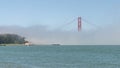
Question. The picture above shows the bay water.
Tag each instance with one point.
(63, 56)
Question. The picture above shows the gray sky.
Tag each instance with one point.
(41, 35)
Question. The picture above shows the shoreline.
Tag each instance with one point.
(12, 44)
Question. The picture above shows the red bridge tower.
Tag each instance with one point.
(79, 24)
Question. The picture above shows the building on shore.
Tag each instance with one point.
(27, 43)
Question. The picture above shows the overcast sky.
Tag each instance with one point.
(41, 20)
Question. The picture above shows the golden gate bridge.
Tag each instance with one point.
(80, 23)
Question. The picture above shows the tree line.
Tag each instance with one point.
(11, 39)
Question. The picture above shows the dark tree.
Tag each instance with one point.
(11, 39)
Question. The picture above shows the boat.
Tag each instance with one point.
(56, 44)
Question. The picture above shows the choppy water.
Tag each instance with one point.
(60, 56)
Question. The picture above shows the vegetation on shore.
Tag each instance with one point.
(11, 39)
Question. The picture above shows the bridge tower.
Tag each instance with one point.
(79, 24)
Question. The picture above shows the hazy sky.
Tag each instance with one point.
(57, 12)
(44, 15)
